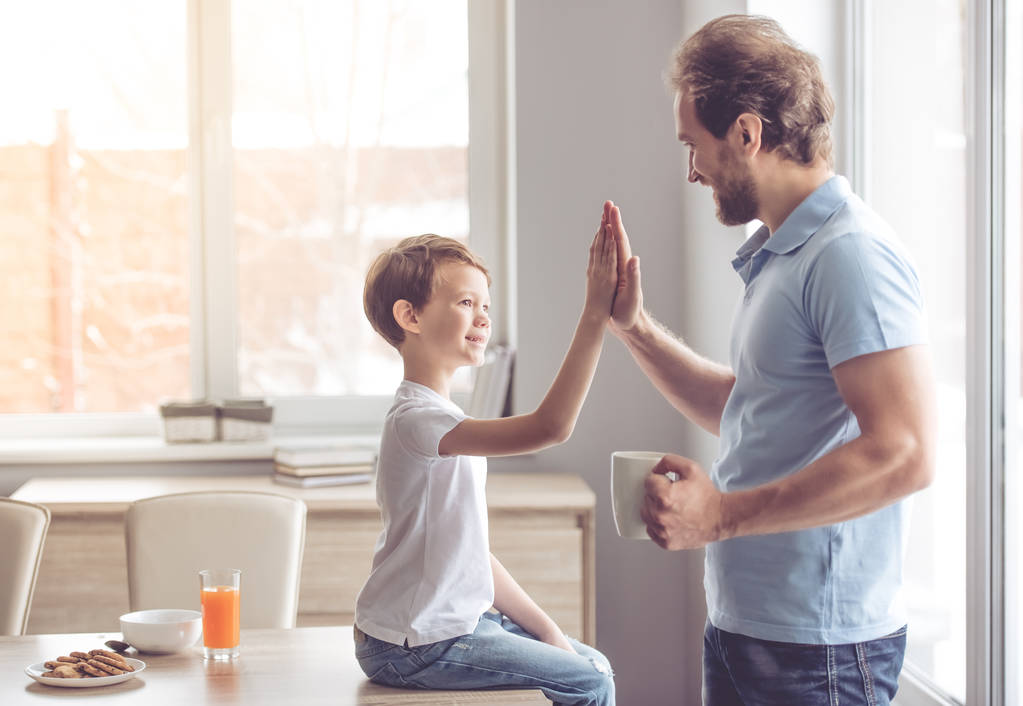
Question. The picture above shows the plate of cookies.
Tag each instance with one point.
(82, 669)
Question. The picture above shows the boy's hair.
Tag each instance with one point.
(409, 271)
(747, 64)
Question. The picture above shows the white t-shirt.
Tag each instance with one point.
(431, 578)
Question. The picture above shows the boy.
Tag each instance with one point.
(423, 617)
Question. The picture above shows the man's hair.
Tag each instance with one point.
(747, 64)
(409, 271)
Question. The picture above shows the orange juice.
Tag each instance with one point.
(221, 616)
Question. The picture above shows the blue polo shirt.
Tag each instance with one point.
(832, 283)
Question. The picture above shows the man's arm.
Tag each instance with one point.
(512, 600)
(694, 385)
(892, 395)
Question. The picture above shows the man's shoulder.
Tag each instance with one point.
(854, 226)
(854, 216)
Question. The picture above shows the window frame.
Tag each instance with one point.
(213, 302)
(1012, 183)
(989, 380)
(986, 373)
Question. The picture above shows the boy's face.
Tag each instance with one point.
(454, 324)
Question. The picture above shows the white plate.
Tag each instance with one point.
(36, 672)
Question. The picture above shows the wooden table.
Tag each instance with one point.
(541, 528)
(300, 666)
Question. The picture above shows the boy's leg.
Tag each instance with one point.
(766, 672)
(493, 657)
(594, 655)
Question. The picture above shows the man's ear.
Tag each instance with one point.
(405, 314)
(748, 129)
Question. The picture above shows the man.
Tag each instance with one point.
(825, 415)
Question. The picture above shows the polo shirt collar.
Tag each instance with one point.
(803, 222)
(809, 216)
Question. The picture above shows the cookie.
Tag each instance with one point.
(123, 666)
(105, 667)
(93, 671)
(108, 654)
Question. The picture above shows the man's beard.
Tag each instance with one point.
(736, 198)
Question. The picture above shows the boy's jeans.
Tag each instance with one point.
(742, 671)
(498, 654)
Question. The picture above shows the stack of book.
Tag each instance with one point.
(312, 466)
(490, 393)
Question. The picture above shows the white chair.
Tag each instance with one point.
(23, 531)
(170, 538)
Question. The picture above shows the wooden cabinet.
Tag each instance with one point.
(541, 528)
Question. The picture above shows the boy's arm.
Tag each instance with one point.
(553, 421)
(512, 600)
(694, 385)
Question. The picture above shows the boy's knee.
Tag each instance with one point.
(602, 667)
(601, 682)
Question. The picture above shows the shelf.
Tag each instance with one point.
(134, 449)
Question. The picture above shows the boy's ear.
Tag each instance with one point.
(405, 314)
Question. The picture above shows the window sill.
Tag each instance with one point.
(133, 449)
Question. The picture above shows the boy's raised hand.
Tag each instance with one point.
(602, 271)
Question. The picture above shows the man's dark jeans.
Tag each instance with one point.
(744, 671)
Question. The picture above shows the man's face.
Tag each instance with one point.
(715, 163)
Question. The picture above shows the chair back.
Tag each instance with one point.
(23, 531)
(170, 538)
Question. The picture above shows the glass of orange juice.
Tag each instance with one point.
(220, 597)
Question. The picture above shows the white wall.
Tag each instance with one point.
(595, 122)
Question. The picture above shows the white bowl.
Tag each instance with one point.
(161, 630)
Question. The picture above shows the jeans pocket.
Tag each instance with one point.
(370, 647)
(425, 655)
(387, 675)
(901, 632)
(880, 663)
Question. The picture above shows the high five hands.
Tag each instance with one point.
(628, 301)
(686, 513)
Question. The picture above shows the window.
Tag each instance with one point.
(94, 207)
(916, 175)
(945, 151)
(350, 135)
(1012, 151)
(901, 137)
(198, 218)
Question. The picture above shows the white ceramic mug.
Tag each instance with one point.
(629, 469)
